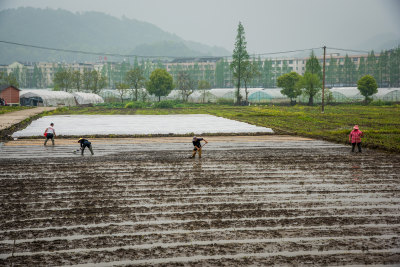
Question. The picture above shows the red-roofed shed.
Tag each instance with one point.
(10, 94)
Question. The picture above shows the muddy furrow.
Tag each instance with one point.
(266, 206)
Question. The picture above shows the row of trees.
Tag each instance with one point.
(160, 83)
(89, 80)
(385, 69)
(293, 85)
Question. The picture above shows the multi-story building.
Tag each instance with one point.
(213, 69)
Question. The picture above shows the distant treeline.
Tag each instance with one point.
(385, 68)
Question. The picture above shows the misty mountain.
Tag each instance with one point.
(89, 31)
(384, 41)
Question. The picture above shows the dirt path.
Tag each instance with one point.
(9, 119)
(264, 202)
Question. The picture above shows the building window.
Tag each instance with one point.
(290, 61)
(355, 59)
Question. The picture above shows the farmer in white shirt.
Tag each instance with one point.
(50, 133)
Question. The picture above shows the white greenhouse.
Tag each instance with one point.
(230, 93)
(87, 98)
(387, 94)
(267, 95)
(46, 98)
(345, 94)
(352, 94)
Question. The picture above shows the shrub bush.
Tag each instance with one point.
(225, 101)
(380, 102)
(164, 104)
(136, 104)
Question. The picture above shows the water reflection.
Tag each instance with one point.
(356, 172)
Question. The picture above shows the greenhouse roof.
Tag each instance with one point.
(224, 92)
(384, 91)
(274, 92)
(87, 98)
(350, 92)
(50, 98)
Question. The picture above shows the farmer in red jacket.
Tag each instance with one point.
(355, 138)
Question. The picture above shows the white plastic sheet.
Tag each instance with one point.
(138, 125)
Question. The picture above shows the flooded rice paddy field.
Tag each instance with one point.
(265, 202)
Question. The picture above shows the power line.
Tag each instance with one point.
(349, 50)
(286, 52)
(141, 56)
(174, 57)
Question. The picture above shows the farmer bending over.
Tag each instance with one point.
(197, 145)
(50, 133)
(85, 143)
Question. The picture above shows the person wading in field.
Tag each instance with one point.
(85, 143)
(197, 145)
(355, 138)
(50, 133)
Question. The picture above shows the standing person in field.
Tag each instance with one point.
(197, 145)
(355, 138)
(50, 133)
(85, 143)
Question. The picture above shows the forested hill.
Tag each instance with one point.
(90, 31)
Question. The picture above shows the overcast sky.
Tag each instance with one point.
(270, 26)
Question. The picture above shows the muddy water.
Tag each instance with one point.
(259, 202)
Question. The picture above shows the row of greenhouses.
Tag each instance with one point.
(254, 95)
(352, 94)
(48, 98)
(274, 95)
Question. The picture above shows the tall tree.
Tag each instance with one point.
(239, 59)
(285, 67)
(203, 85)
(250, 72)
(371, 64)
(311, 84)
(160, 83)
(361, 68)
(267, 79)
(331, 72)
(185, 84)
(288, 83)
(219, 74)
(383, 69)
(277, 72)
(93, 81)
(37, 77)
(76, 80)
(63, 80)
(135, 78)
(313, 66)
(349, 71)
(367, 86)
(8, 79)
(122, 90)
(394, 67)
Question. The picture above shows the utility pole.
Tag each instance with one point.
(323, 80)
